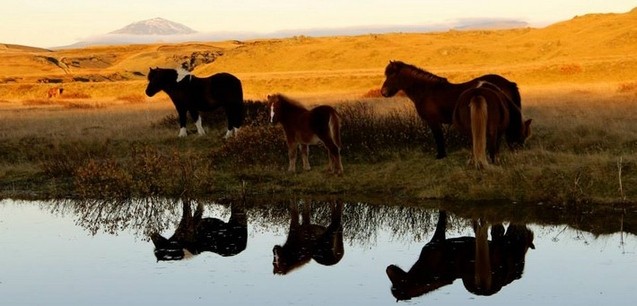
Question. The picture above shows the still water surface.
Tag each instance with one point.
(101, 254)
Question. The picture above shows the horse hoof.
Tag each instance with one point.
(441, 155)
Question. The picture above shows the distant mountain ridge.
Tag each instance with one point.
(155, 26)
(165, 31)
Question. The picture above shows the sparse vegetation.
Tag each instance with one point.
(572, 157)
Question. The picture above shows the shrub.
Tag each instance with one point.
(254, 145)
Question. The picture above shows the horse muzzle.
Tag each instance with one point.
(151, 91)
(386, 92)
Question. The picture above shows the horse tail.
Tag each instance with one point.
(479, 116)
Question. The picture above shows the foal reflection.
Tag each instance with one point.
(484, 266)
(195, 234)
(310, 241)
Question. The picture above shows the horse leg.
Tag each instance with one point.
(182, 122)
(292, 148)
(234, 114)
(305, 152)
(436, 129)
(494, 146)
(334, 156)
(195, 116)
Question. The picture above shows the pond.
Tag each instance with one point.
(166, 252)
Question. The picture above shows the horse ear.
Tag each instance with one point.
(527, 123)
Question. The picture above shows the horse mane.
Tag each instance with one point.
(420, 73)
(289, 101)
(182, 74)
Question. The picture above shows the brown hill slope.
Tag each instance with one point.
(591, 48)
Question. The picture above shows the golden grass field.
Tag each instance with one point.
(578, 81)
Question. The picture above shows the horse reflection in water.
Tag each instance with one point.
(195, 234)
(308, 241)
(484, 266)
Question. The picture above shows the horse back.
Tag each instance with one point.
(496, 108)
(508, 88)
(221, 89)
(225, 239)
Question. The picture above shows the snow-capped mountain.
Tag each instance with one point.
(155, 26)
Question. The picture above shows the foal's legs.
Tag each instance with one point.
(305, 152)
(334, 154)
(292, 156)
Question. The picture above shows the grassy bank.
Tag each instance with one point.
(583, 150)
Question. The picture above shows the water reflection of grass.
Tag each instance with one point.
(132, 151)
(362, 222)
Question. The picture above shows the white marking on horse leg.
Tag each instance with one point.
(200, 129)
(236, 131)
(229, 134)
(182, 132)
(271, 113)
(305, 153)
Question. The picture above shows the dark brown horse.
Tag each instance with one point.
(435, 97)
(191, 94)
(485, 114)
(305, 127)
(484, 266)
(196, 234)
(308, 241)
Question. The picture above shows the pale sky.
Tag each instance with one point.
(49, 23)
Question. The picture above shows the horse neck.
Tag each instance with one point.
(416, 85)
(177, 88)
(290, 112)
(515, 120)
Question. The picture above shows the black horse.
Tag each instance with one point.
(195, 234)
(194, 94)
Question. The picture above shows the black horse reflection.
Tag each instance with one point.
(196, 234)
(308, 241)
(484, 266)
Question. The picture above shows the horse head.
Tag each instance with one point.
(166, 249)
(159, 79)
(518, 137)
(391, 86)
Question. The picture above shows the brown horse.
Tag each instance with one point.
(435, 98)
(485, 114)
(484, 266)
(308, 241)
(305, 127)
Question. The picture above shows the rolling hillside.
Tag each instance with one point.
(595, 48)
